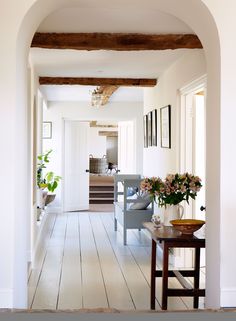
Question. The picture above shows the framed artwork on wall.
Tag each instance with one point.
(47, 129)
(154, 127)
(145, 130)
(149, 128)
(165, 117)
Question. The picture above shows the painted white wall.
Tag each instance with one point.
(225, 19)
(112, 149)
(127, 156)
(97, 144)
(58, 111)
(160, 161)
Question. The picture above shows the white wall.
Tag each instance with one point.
(112, 149)
(160, 161)
(58, 111)
(97, 144)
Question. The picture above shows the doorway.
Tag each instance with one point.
(193, 153)
(214, 101)
(88, 151)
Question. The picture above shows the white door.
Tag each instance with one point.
(76, 177)
(126, 147)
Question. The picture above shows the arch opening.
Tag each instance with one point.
(207, 32)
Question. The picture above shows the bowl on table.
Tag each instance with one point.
(187, 226)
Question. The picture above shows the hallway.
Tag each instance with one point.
(84, 265)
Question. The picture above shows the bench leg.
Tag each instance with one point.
(124, 236)
(115, 224)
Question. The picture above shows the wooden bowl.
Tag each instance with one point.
(187, 226)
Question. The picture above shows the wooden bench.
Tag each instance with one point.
(127, 217)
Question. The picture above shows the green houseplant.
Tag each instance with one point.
(48, 182)
(43, 159)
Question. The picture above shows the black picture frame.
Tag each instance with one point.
(154, 127)
(145, 131)
(47, 130)
(149, 128)
(165, 118)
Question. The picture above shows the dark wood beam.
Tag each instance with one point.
(94, 123)
(108, 133)
(115, 41)
(131, 82)
(106, 92)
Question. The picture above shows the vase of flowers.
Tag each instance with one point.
(172, 212)
(171, 191)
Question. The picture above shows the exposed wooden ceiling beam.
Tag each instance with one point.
(108, 133)
(115, 41)
(106, 92)
(94, 123)
(98, 81)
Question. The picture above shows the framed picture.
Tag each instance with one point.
(154, 127)
(145, 130)
(165, 126)
(47, 129)
(149, 128)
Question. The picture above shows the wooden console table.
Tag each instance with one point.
(168, 237)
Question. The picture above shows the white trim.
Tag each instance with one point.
(228, 298)
(183, 256)
(6, 298)
(194, 85)
(63, 163)
(40, 236)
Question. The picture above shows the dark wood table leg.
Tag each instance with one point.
(153, 277)
(165, 276)
(196, 276)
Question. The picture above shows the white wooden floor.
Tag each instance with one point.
(85, 265)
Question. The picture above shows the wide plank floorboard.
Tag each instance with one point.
(46, 295)
(70, 290)
(83, 264)
(118, 293)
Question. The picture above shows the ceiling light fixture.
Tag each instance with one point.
(97, 98)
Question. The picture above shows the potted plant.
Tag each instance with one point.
(51, 181)
(46, 183)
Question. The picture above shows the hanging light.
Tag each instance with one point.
(97, 98)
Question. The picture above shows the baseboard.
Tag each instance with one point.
(6, 298)
(228, 298)
(40, 235)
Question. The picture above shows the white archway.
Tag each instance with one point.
(205, 28)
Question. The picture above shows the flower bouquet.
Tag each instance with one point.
(174, 189)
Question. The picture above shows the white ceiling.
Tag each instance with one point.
(132, 64)
(97, 19)
(83, 93)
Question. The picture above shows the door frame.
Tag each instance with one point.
(192, 87)
(185, 257)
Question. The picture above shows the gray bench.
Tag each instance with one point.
(127, 217)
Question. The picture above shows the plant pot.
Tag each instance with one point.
(172, 212)
(49, 198)
(41, 197)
